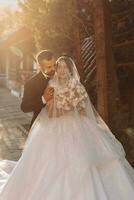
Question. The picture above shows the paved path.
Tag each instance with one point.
(12, 126)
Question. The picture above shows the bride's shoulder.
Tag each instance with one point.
(76, 83)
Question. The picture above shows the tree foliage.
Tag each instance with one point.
(52, 22)
(8, 21)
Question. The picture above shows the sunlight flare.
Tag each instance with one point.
(9, 3)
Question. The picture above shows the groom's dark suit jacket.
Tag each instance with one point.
(32, 97)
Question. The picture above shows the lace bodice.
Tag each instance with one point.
(71, 97)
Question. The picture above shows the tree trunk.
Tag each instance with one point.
(107, 89)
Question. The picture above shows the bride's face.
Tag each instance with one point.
(63, 71)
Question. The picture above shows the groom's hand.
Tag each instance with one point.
(48, 94)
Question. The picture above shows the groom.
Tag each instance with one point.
(36, 93)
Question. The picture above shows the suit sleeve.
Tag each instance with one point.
(30, 101)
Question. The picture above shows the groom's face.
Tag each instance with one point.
(48, 67)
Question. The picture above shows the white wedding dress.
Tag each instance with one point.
(68, 158)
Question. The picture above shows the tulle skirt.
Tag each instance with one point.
(68, 158)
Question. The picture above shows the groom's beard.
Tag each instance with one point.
(50, 75)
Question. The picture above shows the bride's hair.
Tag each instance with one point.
(68, 61)
(70, 65)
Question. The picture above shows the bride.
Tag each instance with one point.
(70, 153)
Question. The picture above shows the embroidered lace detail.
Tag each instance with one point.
(71, 96)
